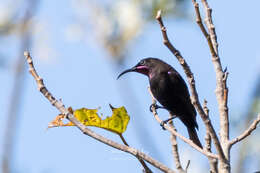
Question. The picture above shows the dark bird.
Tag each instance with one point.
(169, 88)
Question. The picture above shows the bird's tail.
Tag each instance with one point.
(194, 137)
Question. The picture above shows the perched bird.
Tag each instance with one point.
(169, 88)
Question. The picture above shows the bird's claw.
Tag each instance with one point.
(154, 105)
(166, 121)
(162, 125)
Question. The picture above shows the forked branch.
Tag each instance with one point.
(194, 94)
(221, 76)
(60, 106)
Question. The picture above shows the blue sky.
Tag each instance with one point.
(83, 76)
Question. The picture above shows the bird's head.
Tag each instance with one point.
(145, 66)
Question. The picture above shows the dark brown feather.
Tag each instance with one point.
(169, 88)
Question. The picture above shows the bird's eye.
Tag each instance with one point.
(142, 62)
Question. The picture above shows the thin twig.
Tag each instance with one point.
(59, 105)
(207, 137)
(247, 132)
(220, 83)
(175, 149)
(210, 25)
(171, 130)
(212, 43)
(194, 94)
(146, 168)
(207, 142)
(225, 97)
(225, 114)
(221, 87)
(203, 29)
(212, 162)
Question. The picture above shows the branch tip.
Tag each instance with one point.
(26, 54)
(247, 132)
(159, 12)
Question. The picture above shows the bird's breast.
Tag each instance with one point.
(161, 88)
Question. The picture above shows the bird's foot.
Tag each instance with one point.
(162, 125)
(166, 121)
(155, 106)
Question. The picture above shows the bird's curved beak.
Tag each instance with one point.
(126, 71)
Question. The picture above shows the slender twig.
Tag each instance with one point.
(207, 137)
(220, 83)
(212, 162)
(207, 142)
(171, 130)
(60, 106)
(194, 94)
(210, 26)
(203, 29)
(224, 106)
(225, 96)
(175, 149)
(221, 87)
(146, 168)
(246, 133)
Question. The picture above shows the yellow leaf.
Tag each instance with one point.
(117, 123)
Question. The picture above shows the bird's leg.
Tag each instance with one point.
(166, 121)
(156, 107)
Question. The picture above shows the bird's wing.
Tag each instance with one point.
(180, 87)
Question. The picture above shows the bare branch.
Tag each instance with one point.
(194, 94)
(208, 142)
(224, 113)
(221, 89)
(212, 162)
(246, 133)
(210, 25)
(175, 149)
(59, 105)
(207, 137)
(225, 97)
(172, 131)
(203, 29)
